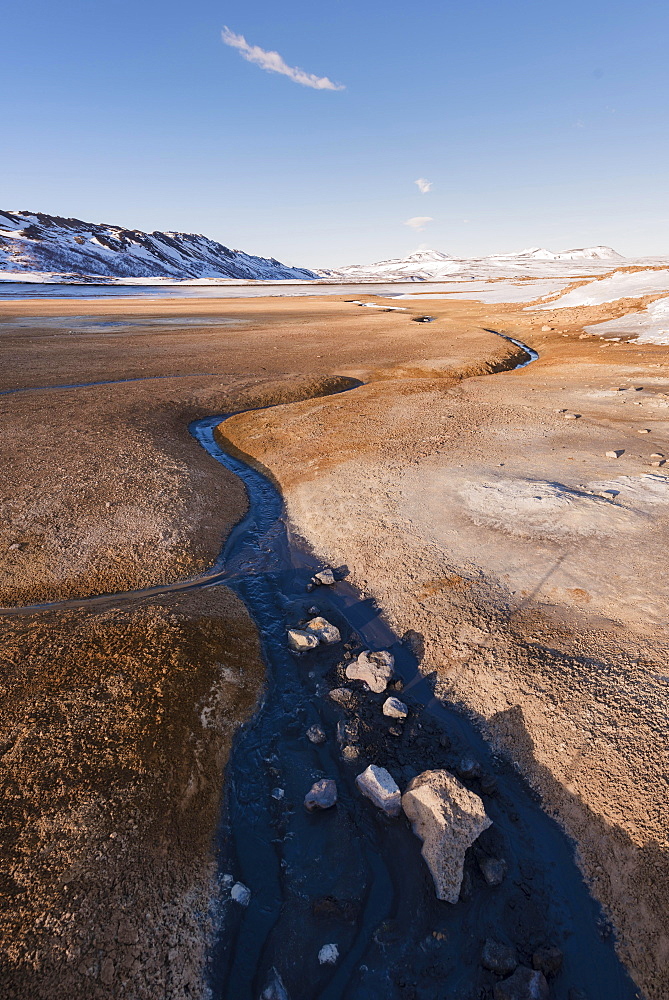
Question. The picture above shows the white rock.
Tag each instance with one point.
(300, 640)
(375, 669)
(448, 818)
(241, 894)
(395, 709)
(326, 577)
(328, 954)
(321, 795)
(614, 454)
(379, 786)
(323, 630)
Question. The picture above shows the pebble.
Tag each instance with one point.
(316, 734)
(524, 984)
(572, 416)
(469, 768)
(380, 787)
(395, 709)
(498, 957)
(493, 870)
(643, 430)
(615, 454)
(344, 697)
(241, 894)
(325, 577)
(328, 954)
(278, 794)
(321, 795)
(547, 960)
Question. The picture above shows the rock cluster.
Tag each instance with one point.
(315, 631)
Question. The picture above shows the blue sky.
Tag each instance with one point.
(536, 123)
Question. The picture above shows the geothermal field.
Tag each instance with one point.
(335, 643)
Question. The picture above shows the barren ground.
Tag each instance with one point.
(461, 499)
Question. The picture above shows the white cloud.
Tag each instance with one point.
(423, 185)
(418, 222)
(273, 63)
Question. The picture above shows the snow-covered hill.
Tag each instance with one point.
(433, 265)
(33, 242)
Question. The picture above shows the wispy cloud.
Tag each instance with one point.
(419, 222)
(423, 185)
(272, 62)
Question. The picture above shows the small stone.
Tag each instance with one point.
(315, 734)
(300, 640)
(547, 329)
(469, 768)
(241, 894)
(312, 611)
(278, 794)
(324, 577)
(395, 709)
(323, 630)
(643, 430)
(321, 795)
(489, 784)
(548, 961)
(375, 669)
(347, 731)
(309, 587)
(498, 957)
(395, 731)
(524, 984)
(14, 547)
(329, 954)
(275, 989)
(657, 463)
(493, 870)
(380, 787)
(349, 753)
(615, 454)
(657, 454)
(343, 697)
(572, 416)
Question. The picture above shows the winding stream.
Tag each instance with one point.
(350, 876)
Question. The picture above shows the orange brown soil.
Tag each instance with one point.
(524, 620)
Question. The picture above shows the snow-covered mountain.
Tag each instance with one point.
(432, 265)
(34, 242)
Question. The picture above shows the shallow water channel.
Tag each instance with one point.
(350, 876)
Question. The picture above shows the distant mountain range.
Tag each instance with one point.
(34, 242)
(434, 265)
(39, 247)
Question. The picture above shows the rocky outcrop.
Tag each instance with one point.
(448, 818)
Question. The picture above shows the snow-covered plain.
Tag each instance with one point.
(651, 326)
(621, 285)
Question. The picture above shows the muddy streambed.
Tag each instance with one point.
(350, 876)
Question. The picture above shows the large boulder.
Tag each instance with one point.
(380, 786)
(375, 669)
(448, 818)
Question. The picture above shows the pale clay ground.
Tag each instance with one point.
(546, 618)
